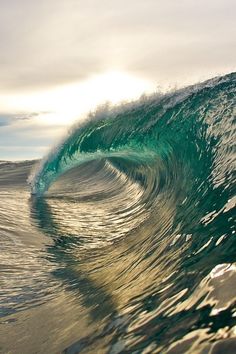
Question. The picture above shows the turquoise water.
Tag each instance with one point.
(128, 239)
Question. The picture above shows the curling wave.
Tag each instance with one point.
(138, 203)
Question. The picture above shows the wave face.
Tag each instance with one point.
(138, 206)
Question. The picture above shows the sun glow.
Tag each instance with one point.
(63, 105)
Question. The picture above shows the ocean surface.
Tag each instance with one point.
(122, 239)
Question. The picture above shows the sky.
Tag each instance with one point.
(61, 58)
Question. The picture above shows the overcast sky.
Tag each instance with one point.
(48, 45)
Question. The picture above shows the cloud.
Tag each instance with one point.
(4, 121)
(22, 137)
(8, 119)
(49, 42)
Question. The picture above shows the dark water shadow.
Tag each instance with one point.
(96, 299)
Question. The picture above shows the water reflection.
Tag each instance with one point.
(70, 269)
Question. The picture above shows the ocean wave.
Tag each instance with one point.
(138, 202)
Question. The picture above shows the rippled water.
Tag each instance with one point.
(127, 244)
